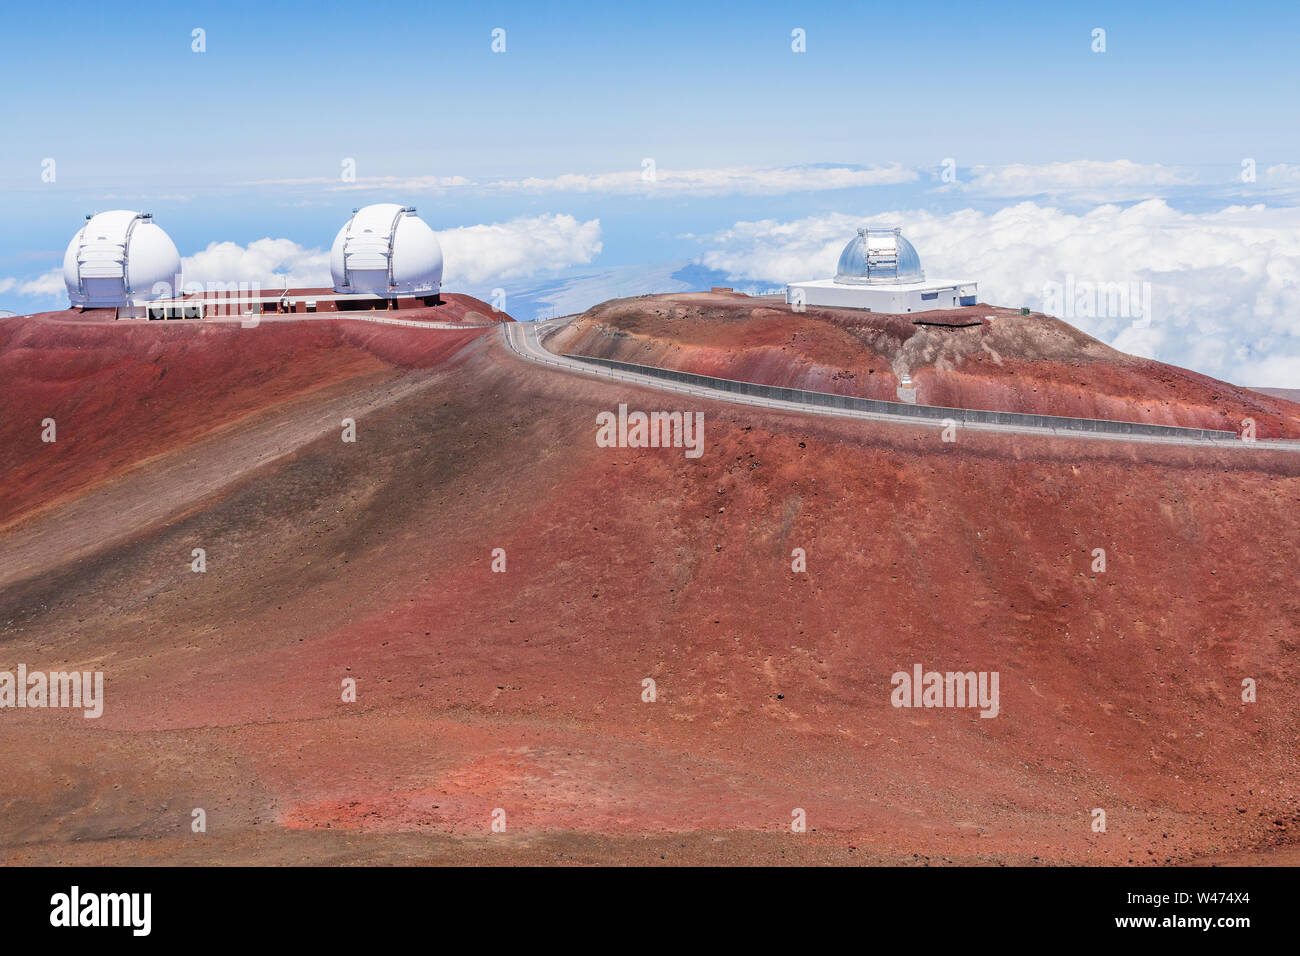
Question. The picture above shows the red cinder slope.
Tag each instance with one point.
(524, 689)
(1004, 361)
(120, 391)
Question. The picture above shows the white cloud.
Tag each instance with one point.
(733, 180)
(520, 247)
(43, 286)
(471, 254)
(267, 262)
(724, 181)
(1084, 179)
(371, 182)
(1225, 286)
(1283, 173)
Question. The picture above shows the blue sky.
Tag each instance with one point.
(245, 141)
(586, 86)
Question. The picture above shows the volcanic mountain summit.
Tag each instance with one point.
(982, 357)
(472, 614)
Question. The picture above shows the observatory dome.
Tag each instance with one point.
(388, 250)
(878, 256)
(118, 257)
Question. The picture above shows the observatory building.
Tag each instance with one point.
(879, 271)
(120, 259)
(386, 250)
(385, 258)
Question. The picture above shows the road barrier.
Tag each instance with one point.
(518, 335)
(934, 413)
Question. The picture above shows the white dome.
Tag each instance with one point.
(879, 256)
(118, 257)
(386, 249)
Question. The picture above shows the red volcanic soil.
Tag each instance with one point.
(522, 691)
(1004, 362)
(121, 391)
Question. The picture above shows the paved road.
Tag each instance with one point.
(524, 338)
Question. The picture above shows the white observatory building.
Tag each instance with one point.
(386, 250)
(120, 259)
(879, 271)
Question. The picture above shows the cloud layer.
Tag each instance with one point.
(43, 286)
(1224, 286)
(521, 247)
(526, 246)
(649, 180)
(1081, 178)
(271, 263)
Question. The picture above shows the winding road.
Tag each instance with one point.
(525, 340)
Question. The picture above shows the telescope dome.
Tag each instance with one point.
(388, 250)
(118, 257)
(879, 256)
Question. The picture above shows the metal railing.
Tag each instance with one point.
(963, 416)
(774, 396)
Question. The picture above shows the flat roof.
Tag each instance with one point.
(926, 286)
(225, 297)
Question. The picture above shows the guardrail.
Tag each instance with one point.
(927, 412)
(707, 386)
